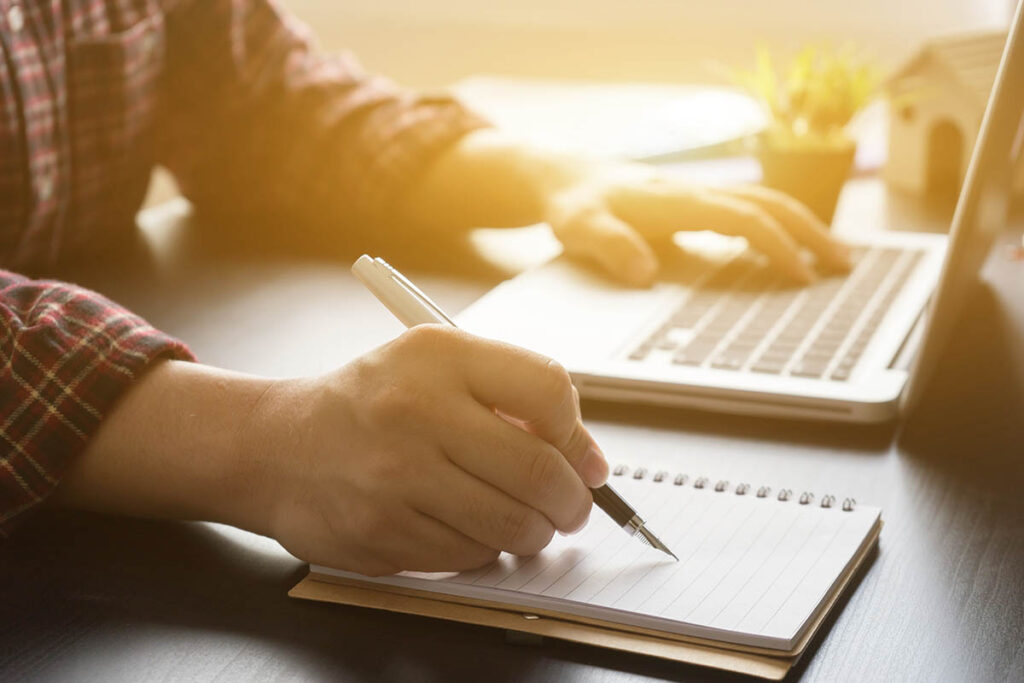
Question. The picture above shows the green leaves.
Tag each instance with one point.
(816, 95)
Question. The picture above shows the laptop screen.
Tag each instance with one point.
(981, 210)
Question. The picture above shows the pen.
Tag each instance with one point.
(412, 307)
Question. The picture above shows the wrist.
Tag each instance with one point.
(542, 172)
(267, 453)
(170, 449)
(487, 179)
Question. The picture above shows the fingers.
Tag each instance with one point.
(799, 221)
(485, 514)
(426, 544)
(538, 392)
(533, 389)
(524, 466)
(595, 234)
(740, 218)
(663, 208)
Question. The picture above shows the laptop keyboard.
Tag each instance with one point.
(743, 318)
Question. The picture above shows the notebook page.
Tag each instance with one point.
(752, 571)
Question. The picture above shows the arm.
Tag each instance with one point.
(273, 126)
(609, 213)
(395, 461)
(66, 357)
(255, 120)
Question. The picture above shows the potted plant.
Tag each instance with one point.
(805, 150)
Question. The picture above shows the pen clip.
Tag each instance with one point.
(414, 290)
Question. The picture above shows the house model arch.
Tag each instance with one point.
(937, 100)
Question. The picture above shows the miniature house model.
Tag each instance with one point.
(937, 100)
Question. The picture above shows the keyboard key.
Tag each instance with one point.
(784, 347)
(722, 310)
(690, 357)
(768, 367)
(640, 352)
(808, 368)
(840, 374)
(688, 317)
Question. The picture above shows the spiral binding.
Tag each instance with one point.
(741, 489)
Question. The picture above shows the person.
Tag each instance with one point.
(433, 452)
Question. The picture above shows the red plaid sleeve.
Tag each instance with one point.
(256, 118)
(66, 355)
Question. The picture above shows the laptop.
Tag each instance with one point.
(722, 332)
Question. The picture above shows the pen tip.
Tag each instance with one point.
(655, 542)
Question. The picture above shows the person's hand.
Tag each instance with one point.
(611, 213)
(399, 461)
(434, 452)
(612, 217)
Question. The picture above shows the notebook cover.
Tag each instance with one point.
(758, 662)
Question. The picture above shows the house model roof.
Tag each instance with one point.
(971, 60)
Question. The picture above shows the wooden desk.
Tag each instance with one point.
(86, 597)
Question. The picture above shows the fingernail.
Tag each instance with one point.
(594, 468)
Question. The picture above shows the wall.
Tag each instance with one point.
(436, 43)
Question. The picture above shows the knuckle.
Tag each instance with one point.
(514, 527)
(583, 513)
(556, 378)
(394, 402)
(556, 371)
(543, 538)
(386, 468)
(574, 217)
(480, 556)
(575, 449)
(374, 527)
(524, 531)
(542, 475)
(753, 219)
(429, 339)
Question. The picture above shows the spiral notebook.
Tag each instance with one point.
(758, 569)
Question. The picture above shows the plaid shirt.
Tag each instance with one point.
(228, 95)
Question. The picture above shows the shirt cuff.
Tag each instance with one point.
(68, 355)
(411, 137)
(385, 150)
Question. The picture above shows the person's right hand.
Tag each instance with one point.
(400, 460)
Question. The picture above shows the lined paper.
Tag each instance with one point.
(751, 571)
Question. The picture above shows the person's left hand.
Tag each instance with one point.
(612, 213)
(614, 221)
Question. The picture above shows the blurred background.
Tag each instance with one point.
(629, 79)
(430, 44)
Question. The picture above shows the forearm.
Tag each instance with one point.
(608, 213)
(171, 448)
(487, 179)
(395, 461)
(259, 122)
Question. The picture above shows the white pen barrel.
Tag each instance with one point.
(403, 303)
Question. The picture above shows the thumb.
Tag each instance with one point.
(599, 236)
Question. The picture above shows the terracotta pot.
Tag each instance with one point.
(813, 174)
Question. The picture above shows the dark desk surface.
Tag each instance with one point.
(85, 597)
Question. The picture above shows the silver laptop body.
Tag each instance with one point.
(721, 332)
